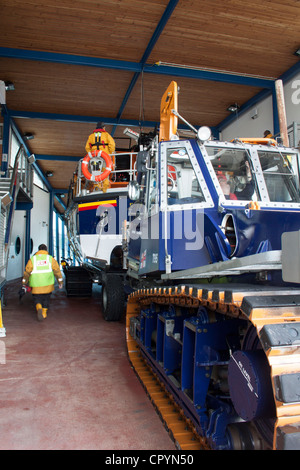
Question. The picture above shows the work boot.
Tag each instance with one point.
(39, 310)
(44, 313)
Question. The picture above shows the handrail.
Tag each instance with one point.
(22, 167)
(15, 170)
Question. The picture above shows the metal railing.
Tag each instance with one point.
(22, 173)
(115, 175)
(293, 135)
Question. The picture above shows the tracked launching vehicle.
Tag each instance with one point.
(212, 255)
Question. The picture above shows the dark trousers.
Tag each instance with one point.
(43, 299)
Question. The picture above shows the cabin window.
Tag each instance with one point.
(183, 186)
(234, 173)
(281, 175)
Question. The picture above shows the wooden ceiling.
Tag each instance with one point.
(76, 62)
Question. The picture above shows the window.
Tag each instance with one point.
(234, 173)
(281, 175)
(152, 197)
(18, 245)
(183, 186)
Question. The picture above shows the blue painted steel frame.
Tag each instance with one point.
(186, 349)
(163, 21)
(268, 86)
(137, 68)
(86, 119)
(73, 118)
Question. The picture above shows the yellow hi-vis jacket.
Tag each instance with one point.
(40, 272)
(100, 140)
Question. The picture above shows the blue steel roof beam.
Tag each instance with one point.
(75, 118)
(61, 191)
(59, 199)
(158, 30)
(137, 67)
(199, 74)
(69, 59)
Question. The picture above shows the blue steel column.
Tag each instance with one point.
(57, 239)
(5, 143)
(50, 234)
(27, 235)
(62, 238)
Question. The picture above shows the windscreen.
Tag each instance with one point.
(234, 172)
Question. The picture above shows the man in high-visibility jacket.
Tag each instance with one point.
(40, 272)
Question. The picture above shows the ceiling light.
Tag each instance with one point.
(49, 173)
(233, 108)
(297, 52)
(28, 136)
(9, 86)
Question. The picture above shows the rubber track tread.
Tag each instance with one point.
(281, 310)
(180, 429)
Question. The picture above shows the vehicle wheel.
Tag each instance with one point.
(113, 298)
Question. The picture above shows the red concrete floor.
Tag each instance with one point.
(66, 383)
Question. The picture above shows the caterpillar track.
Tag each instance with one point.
(244, 395)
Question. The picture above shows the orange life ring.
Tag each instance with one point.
(106, 172)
